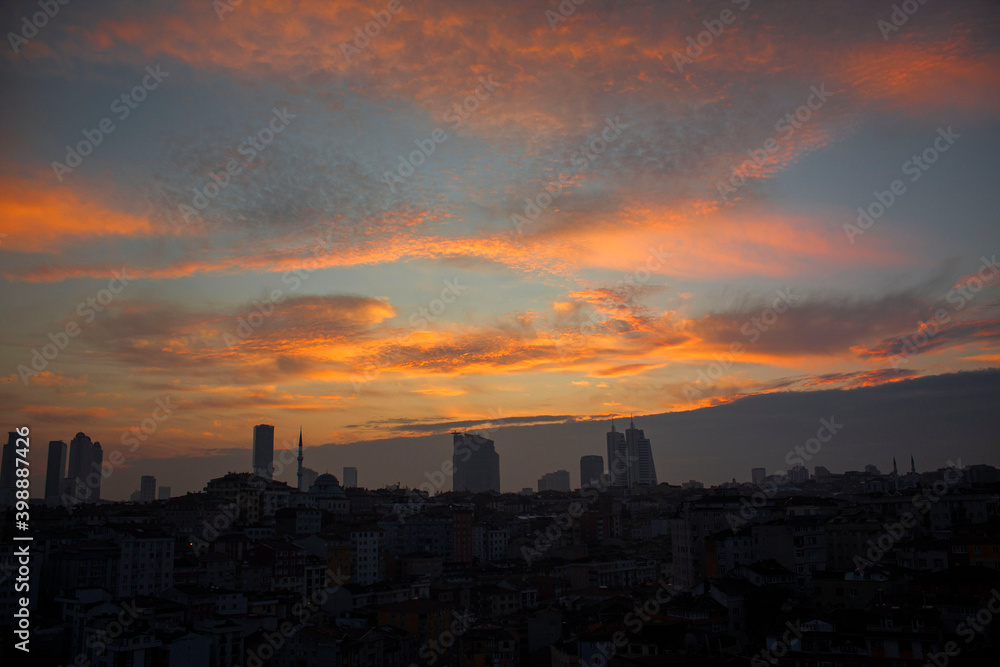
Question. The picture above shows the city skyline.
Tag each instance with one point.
(798, 454)
(807, 204)
(478, 476)
(571, 333)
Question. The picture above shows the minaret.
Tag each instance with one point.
(300, 459)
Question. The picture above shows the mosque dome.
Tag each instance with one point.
(326, 483)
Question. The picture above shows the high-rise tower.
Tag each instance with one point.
(618, 462)
(94, 478)
(147, 489)
(641, 469)
(476, 464)
(83, 482)
(55, 469)
(263, 450)
(81, 456)
(591, 470)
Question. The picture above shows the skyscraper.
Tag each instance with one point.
(83, 482)
(475, 463)
(350, 478)
(757, 475)
(94, 480)
(147, 489)
(263, 450)
(7, 466)
(641, 468)
(617, 457)
(591, 470)
(55, 470)
(81, 454)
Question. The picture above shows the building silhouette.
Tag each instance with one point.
(617, 457)
(630, 458)
(7, 466)
(55, 469)
(147, 489)
(554, 481)
(591, 470)
(83, 479)
(94, 480)
(350, 478)
(263, 450)
(475, 463)
(641, 468)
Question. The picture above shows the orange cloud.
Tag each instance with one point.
(921, 77)
(46, 217)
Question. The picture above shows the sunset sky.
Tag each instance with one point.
(588, 236)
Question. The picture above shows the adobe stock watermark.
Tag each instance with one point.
(455, 116)
(97, 643)
(752, 328)
(901, 13)
(581, 159)
(967, 629)
(223, 7)
(786, 128)
(249, 148)
(704, 39)
(122, 106)
(87, 310)
(396, 351)
(570, 345)
(30, 27)
(797, 456)
(564, 521)
(294, 278)
(959, 296)
(436, 480)
(781, 646)
(914, 168)
(132, 438)
(436, 307)
(363, 35)
(895, 531)
(212, 529)
(566, 9)
(303, 613)
(433, 650)
(634, 621)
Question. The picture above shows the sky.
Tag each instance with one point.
(381, 222)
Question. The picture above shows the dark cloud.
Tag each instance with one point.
(933, 418)
(935, 336)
